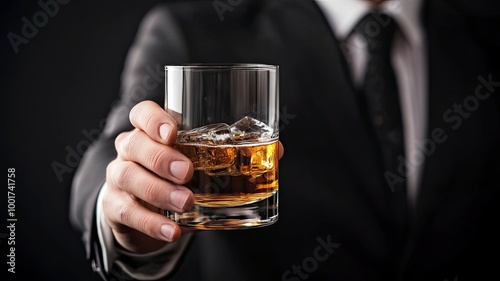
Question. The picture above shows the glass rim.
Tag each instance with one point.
(215, 66)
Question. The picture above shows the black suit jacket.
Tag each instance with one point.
(335, 221)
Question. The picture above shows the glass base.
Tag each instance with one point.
(257, 214)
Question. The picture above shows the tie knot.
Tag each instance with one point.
(377, 29)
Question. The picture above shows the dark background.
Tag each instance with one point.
(61, 82)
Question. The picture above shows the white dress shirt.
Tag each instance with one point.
(409, 64)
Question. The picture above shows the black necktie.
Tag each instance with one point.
(382, 107)
(380, 103)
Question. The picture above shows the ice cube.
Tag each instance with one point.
(248, 129)
(257, 160)
(216, 160)
(217, 133)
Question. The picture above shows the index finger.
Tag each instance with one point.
(149, 117)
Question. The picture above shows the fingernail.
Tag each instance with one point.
(167, 231)
(178, 198)
(165, 130)
(179, 169)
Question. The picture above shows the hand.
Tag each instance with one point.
(146, 176)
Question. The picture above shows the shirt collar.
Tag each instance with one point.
(343, 15)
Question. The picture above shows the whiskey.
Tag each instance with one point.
(232, 175)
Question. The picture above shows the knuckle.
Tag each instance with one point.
(111, 207)
(146, 224)
(107, 204)
(127, 144)
(119, 139)
(121, 175)
(151, 120)
(158, 158)
(127, 209)
(108, 207)
(151, 192)
(133, 111)
(144, 114)
(110, 171)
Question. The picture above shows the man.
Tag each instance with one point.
(351, 208)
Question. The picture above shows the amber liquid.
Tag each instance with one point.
(232, 175)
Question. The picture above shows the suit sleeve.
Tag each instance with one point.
(158, 41)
